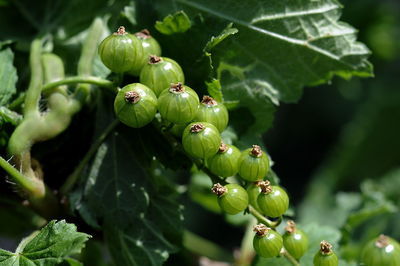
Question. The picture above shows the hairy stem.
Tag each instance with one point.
(80, 79)
(35, 86)
(71, 180)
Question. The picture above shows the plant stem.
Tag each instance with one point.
(71, 180)
(262, 219)
(289, 257)
(29, 185)
(246, 249)
(33, 93)
(204, 247)
(17, 102)
(80, 79)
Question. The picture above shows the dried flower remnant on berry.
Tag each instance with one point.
(120, 31)
(325, 247)
(153, 59)
(209, 101)
(222, 148)
(261, 229)
(132, 96)
(196, 128)
(382, 241)
(291, 227)
(218, 189)
(143, 34)
(176, 88)
(265, 186)
(256, 151)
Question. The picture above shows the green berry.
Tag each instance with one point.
(160, 72)
(295, 241)
(135, 105)
(273, 200)
(177, 129)
(267, 242)
(201, 140)
(178, 104)
(232, 198)
(253, 164)
(381, 251)
(120, 51)
(325, 256)
(212, 112)
(150, 47)
(224, 163)
(253, 190)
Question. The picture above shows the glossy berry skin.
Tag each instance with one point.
(132, 113)
(224, 162)
(296, 243)
(120, 51)
(321, 259)
(252, 168)
(269, 245)
(202, 143)
(178, 106)
(274, 203)
(160, 72)
(213, 112)
(234, 200)
(374, 254)
(150, 47)
(253, 190)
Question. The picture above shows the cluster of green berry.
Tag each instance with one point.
(199, 124)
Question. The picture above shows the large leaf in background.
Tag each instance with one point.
(49, 246)
(281, 47)
(8, 76)
(141, 221)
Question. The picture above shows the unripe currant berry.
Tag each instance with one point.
(120, 51)
(295, 240)
(273, 200)
(201, 140)
(253, 164)
(160, 72)
(178, 104)
(212, 112)
(267, 242)
(253, 190)
(224, 163)
(150, 47)
(135, 105)
(325, 256)
(381, 251)
(177, 129)
(232, 198)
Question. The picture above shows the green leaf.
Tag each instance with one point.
(137, 211)
(215, 40)
(176, 23)
(49, 246)
(278, 50)
(8, 76)
(214, 89)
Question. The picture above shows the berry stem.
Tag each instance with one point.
(262, 219)
(289, 257)
(246, 248)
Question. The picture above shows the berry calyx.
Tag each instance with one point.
(224, 162)
(153, 59)
(132, 96)
(120, 31)
(382, 250)
(325, 256)
(267, 242)
(232, 198)
(295, 240)
(253, 164)
(201, 140)
(273, 200)
(212, 112)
